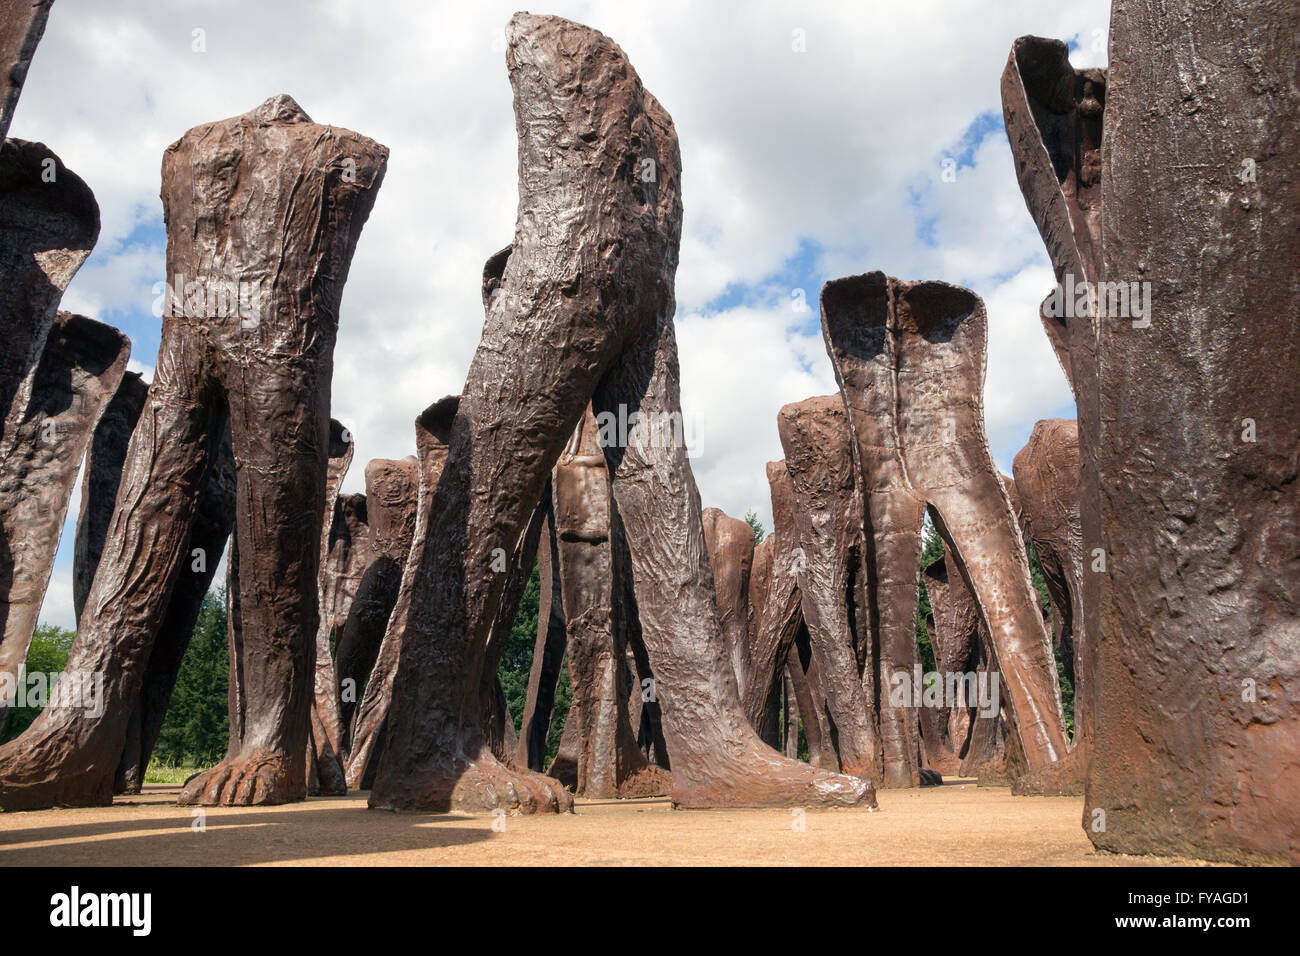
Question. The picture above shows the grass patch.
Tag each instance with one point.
(173, 775)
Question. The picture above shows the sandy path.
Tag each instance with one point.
(958, 823)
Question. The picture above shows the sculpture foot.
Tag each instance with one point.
(649, 781)
(1065, 778)
(15, 798)
(478, 785)
(487, 784)
(334, 789)
(992, 777)
(40, 770)
(749, 774)
(261, 779)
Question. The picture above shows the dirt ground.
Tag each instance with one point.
(958, 824)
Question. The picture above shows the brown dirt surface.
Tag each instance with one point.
(956, 824)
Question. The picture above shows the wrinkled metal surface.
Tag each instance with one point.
(101, 477)
(342, 562)
(74, 381)
(548, 650)
(815, 437)
(1197, 612)
(49, 222)
(22, 24)
(271, 203)
(607, 762)
(909, 358)
(213, 521)
(1047, 485)
(582, 312)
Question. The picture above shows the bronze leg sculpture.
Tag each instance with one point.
(262, 257)
(1197, 614)
(583, 312)
(76, 377)
(910, 361)
(815, 437)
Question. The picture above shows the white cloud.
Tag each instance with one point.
(837, 150)
(58, 609)
(1024, 381)
(731, 396)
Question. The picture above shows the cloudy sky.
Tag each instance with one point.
(815, 139)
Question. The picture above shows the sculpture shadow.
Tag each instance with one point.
(237, 836)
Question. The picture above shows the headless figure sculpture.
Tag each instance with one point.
(263, 213)
(608, 761)
(582, 313)
(909, 358)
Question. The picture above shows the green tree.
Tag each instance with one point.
(517, 658)
(47, 654)
(1040, 585)
(197, 725)
(931, 551)
(559, 711)
(931, 544)
(517, 664)
(751, 518)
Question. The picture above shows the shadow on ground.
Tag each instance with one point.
(150, 831)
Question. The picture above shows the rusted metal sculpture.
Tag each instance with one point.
(341, 172)
(215, 516)
(730, 543)
(790, 719)
(909, 358)
(564, 765)
(977, 732)
(342, 561)
(1197, 691)
(1054, 120)
(582, 312)
(954, 637)
(382, 611)
(389, 524)
(49, 222)
(21, 28)
(76, 377)
(607, 760)
(1053, 115)
(263, 212)
(1047, 485)
(548, 651)
(797, 696)
(782, 615)
(342, 581)
(100, 478)
(432, 431)
(815, 436)
(804, 692)
(214, 519)
(494, 715)
(643, 703)
(760, 574)
(992, 752)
